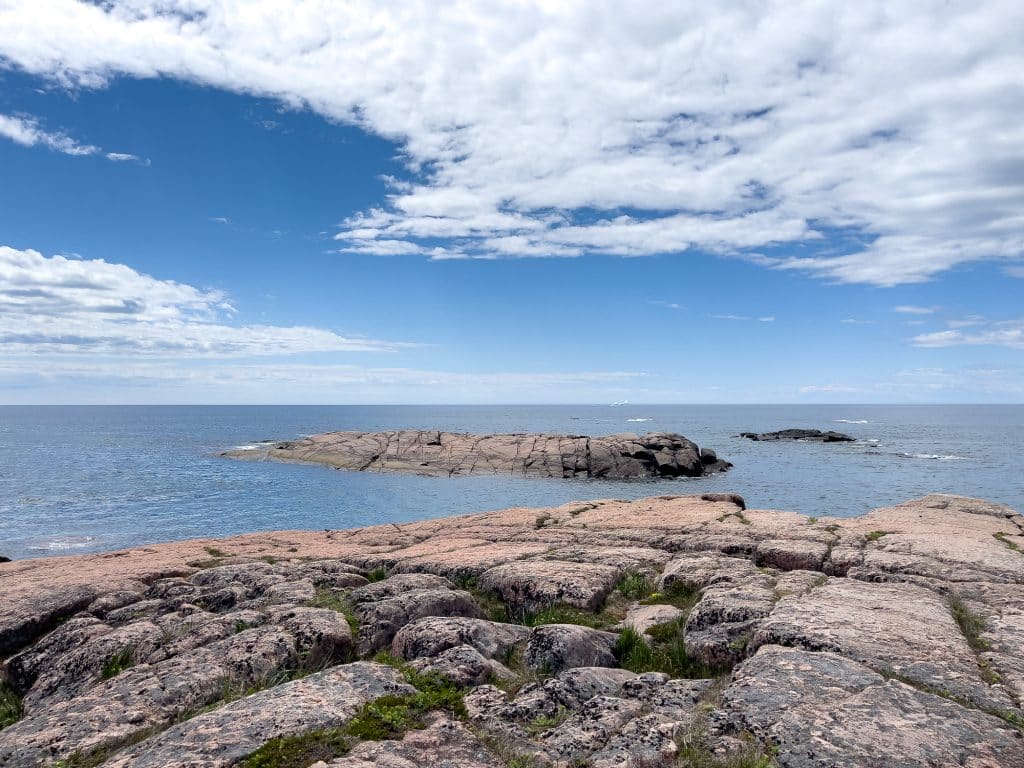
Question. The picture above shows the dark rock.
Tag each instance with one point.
(810, 435)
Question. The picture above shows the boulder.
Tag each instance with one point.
(535, 584)
(433, 635)
(554, 647)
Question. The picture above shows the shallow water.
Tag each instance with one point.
(90, 478)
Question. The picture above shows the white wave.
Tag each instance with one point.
(639, 419)
(63, 544)
(934, 456)
(851, 421)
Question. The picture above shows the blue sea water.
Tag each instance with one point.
(91, 478)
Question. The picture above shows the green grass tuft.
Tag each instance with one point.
(1000, 536)
(634, 585)
(377, 574)
(665, 651)
(214, 552)
(118, 663)
(299, 751)
(876, 535)
(10, 706)
(971, 624)
(680, 594)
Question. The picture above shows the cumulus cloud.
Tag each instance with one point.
(540, 129)
(907, 309)
(61, 305)
(1005, 333)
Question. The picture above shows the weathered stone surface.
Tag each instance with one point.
(899, 629)
(464, 666)
(385, 607)
(430, 636)
(220, 738)
(536, 584)
(856, 654)
(811, 435)
(554, 647)
(642, 617)
(656, 454)
(821, 709)
(444, 743)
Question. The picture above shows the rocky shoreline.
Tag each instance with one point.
(670, 631)
(613, 457)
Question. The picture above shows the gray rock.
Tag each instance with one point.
(536, 584)
(432, 635)
(555, 647)
(321, 701)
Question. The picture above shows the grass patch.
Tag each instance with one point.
(812, 519)
(269, 559)
(118, 663)
(10, 706)
(543, 723)
(634, 585)
(326, 598)
(680, 594)
(214, 552)
(664, 652)
(876, 535)
(377, 574)
(213, 562)
(299, 751)
(971, 624)
(1005, 540)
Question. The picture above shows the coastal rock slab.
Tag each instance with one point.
(536, 584)
(901, 629)
(622, 456)
(810, 435)
(554, 647)
(433, 635)
(221, 738)
(821, 709)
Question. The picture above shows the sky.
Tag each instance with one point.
(275, 201)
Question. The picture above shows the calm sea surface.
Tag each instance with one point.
(80, 479)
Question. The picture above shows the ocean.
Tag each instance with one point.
(79, 479)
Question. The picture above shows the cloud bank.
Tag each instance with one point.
(862, 142)
(61, 305)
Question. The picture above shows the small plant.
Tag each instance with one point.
(241, 626)
(377, 574)
(665, 652)
(678, 593)
(1000, 536)
(269, 559)
(812, 519)
(117, 663)
(876, 535)
(299, 751)
(214, 552)
(10, 706)
(326, 598)
(543, 723)
(634, 585)
(542, 521)
(971, 624)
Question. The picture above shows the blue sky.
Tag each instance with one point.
(205, 202)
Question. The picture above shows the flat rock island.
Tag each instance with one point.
(669, 631)
(613, 457)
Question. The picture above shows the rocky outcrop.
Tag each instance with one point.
(612, 457)
(656, 632)
(808, 435)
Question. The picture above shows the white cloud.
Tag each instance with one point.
(1005, 333)
(827, 388)
(856, 321)
(27, 132)
(1015, 271)
(907, 309)
(62, 305)
(539, 129)
(149, 381)
(768, 319)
